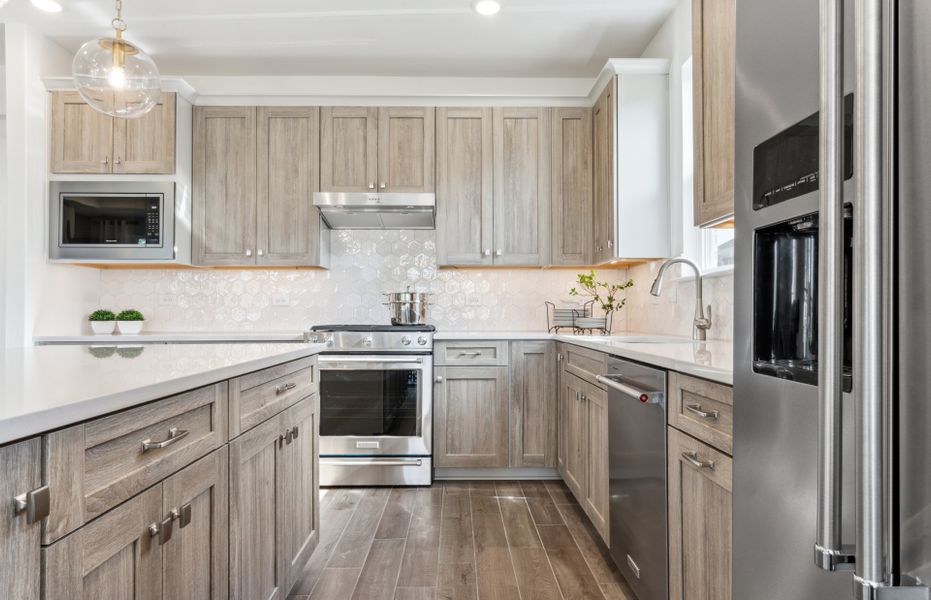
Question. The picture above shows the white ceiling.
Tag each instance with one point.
(412, 38)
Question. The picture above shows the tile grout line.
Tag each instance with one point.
(439, 543)
(407, 536)
(507, 540)
(536, 528)
(575, 541)
(474, 545)
(371, 542)
(339, 538)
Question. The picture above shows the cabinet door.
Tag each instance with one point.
(195, 560)
(82, 138)
(406, 149)
(299, 519)
(465, 190)
(224, 186)
(348, 149)
(572, 186)
(533, 404)
(114, 556)
(714, 25)
(288, 174)
(20, 568)
(256, 485)
(471, 417)
(576, 416)
(596, 448)
(522, 186)
(700, 505)
(603, 180)
(146, 144)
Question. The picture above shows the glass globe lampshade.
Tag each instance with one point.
(116, 78)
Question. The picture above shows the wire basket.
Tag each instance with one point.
(580, 320)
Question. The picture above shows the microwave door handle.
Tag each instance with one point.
(829, 553)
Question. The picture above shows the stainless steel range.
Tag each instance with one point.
(376, 404)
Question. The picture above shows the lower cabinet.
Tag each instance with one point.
(700, 507)
(471, 416)
(533, 404)
(270, 526)
(574, 423)
(20, 531)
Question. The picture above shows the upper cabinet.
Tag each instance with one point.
(493, 200)
(366, 149)
(713, 76)
(84, 140)
(255, 172)
(603, 184)
(572, 186)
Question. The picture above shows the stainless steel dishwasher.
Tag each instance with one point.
(637, 467)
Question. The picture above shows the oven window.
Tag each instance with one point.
(130, 220)
(369, 403)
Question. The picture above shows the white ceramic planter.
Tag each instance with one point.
(103, 327)
(130, 327)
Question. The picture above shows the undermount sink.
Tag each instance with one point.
(636, 339)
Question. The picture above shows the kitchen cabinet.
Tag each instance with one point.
(84, 140)
(255, 172)
(471, 416)
(366, 149)
(575, 422)
(572, 186)
(595, 497)
(20, 532)
(522, 186)
(271, 530)
(533, 404)
(714, 25)
(603, 215)
(700, 512)
(465, 186)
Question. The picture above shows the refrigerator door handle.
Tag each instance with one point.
(829, 553)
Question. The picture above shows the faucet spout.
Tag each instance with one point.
(701, 323)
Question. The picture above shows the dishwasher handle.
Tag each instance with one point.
(645, 396)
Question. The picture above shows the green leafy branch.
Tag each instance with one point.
(603, 293)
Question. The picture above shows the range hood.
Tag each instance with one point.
(391, 210)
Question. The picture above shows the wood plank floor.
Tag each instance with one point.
(477, 540)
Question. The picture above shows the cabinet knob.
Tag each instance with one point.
(261, 252)
(486, 252)
(36, 504)
(610, 244)
(105, 161)
(371, 186)
(438, 379)
(117, 161)
(382, 185)
(248, 251)
(498, 253)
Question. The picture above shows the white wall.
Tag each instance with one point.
(38, 296)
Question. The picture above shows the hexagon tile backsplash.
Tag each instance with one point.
(364, 265)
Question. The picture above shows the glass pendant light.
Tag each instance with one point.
(114, 76)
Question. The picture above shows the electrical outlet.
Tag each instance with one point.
(280, 299)
(473, 299)
(167, 299)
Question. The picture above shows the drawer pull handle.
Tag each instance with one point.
(294, 432)
(174, 435)
(473, 354)
(695, 409)
(183, 515)
(692, 457)
(35, 503)
(284, 387)
(165, 529)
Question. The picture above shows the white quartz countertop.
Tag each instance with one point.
(175, 337)
(713, 360)
(46, 387)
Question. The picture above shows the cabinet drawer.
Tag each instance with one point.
(478, 353)
(96, 465)
(256, 397)
(702, 409)
(586, 364)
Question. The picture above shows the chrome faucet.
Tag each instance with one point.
(702, 323)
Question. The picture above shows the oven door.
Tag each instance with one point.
(376, 405)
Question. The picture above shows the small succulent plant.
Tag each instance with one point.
(130, 315)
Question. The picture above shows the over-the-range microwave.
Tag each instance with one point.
(111, 220)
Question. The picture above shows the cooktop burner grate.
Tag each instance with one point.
(374, 328)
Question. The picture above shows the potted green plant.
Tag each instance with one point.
(103, 322)
(603, 294)
(130, 321)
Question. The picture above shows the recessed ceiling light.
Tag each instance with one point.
(486, 7)
(47, 5)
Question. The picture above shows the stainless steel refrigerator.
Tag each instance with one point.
(832, 373)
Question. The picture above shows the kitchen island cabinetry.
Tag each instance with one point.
(156, 502)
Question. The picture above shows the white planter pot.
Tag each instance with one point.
(103, 327)
(130, 327)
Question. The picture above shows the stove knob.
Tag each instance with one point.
(328, 340)
(313, 339)
(422, 341)
(406, 340)
(367, 341)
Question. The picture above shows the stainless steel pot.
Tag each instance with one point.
(407, 308)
